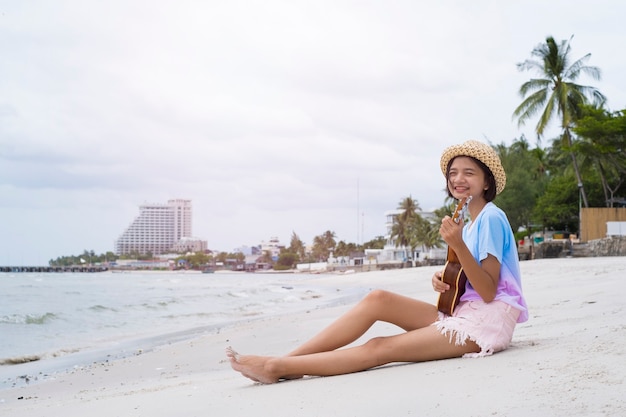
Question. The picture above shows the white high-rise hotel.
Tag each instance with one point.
(158, 229)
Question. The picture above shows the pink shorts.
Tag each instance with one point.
(489, 325)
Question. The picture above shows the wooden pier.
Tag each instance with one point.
(53, 269)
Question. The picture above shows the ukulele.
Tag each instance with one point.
(453, 273)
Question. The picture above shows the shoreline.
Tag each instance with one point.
(36, 367)
(565, 361)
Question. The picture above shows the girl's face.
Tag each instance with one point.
(466, 178)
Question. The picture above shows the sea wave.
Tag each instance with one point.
(158, 305)
(28, 318)
(19, 359)
(99, 307)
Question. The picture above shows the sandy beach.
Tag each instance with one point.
(569, 359)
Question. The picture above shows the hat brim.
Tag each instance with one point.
(480, 151)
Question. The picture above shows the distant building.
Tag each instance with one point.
(189, 244)
(247, 250)
(273, 247)
(392, 252)
(159, 228)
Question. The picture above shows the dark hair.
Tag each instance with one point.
(490, 193)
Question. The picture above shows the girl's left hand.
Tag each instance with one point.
(438, 284)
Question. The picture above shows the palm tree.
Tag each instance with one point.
(403, 226)
(556, 93)
(427, 233)
(410, 207)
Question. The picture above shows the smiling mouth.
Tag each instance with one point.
(462, 191)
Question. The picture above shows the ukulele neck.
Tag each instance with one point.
(459, 213)
(452, 257)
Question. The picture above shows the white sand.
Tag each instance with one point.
(569, 359)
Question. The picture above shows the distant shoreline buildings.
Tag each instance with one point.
(161, 229)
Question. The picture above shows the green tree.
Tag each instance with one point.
(377, 243)
(110, 257)
(88, 256)
(286, 260)
(345, 249)
(556, 94)
(323, 245)
(199, 260)
(557, 208)
(223, 256)
(296, 246)
(603, 144)
(426, 233)
(526, 181)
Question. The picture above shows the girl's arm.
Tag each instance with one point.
(483, 276)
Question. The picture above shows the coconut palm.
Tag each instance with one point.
(403, 225)
(555, 93)
(410, 207)
(427, 233)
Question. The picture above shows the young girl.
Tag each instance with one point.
(481, 324)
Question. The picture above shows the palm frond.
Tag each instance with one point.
(533, 85)
(530, 64)
(530, 106)
(598, 99)
(547, 113)
(572, 72)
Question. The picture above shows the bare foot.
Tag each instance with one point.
(233, 357)
(252, 367)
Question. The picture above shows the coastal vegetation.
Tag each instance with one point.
(556, 94)
(583, 166)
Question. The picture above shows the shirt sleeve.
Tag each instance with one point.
(491, 236)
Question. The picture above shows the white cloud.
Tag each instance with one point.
(266, 114)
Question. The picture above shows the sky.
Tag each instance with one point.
(273, 117)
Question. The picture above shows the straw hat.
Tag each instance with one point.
(481, 151)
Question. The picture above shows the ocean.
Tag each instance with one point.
(51, 320)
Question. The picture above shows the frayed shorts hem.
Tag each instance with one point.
(489, 325)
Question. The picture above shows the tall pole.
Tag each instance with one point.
(357, 211)
(580, 210)
(362, 225)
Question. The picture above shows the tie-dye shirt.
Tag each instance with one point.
(490, 233)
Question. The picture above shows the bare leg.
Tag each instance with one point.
(419, 345)
(378, 305)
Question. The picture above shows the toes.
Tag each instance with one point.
(232, 354)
